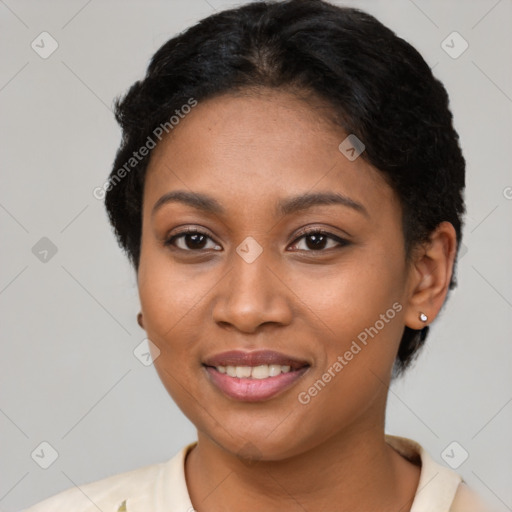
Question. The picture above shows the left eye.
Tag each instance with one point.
(318, 240)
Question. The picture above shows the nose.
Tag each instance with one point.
(252, 294)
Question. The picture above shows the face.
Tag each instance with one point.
(321, 283)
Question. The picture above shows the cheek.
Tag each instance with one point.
(167, 299)
(361, 312)
(167, 293)
(354, 294)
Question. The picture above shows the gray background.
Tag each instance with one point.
(68, 374)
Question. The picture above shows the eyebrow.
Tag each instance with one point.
(284, 207)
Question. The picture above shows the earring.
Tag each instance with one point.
(423, 317)
(139, 320)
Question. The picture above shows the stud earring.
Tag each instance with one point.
(423, 317)
(139, 320)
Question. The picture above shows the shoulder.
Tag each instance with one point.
(466, 500)
(440, 488)
(112, 494)
(105, 494)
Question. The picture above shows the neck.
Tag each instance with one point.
(355, 469)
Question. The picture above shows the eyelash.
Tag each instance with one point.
(311, 231)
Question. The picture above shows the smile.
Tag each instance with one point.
(263, 371)
(253, 376)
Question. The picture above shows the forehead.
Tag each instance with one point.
(256, 148)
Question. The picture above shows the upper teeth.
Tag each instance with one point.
(256, 372)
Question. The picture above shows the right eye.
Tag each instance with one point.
(192, 240)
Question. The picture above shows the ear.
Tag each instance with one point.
(430, 275)
(140, 320)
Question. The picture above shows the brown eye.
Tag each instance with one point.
(317, 240)
(191, 240)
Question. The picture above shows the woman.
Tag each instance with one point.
(289, 191)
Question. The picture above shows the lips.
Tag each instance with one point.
(253, 376)
(256, 358)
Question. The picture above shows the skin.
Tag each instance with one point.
(248, 151)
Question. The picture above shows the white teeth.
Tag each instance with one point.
(274, 369)
(262, 371)
(242, 372)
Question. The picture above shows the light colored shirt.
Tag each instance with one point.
(162, 488)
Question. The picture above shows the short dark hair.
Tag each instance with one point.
(378, 85)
